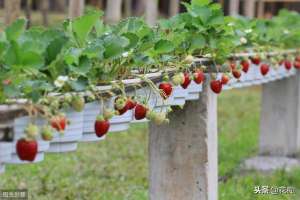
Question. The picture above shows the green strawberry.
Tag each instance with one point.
(47, 133)
(78, 103)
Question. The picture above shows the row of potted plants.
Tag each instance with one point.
(60, 73)
(93, 121)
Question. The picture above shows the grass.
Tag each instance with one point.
(117, 169)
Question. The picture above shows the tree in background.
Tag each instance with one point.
(76, 8)
(174, 7)
(44, 7)
(12, 10)
(151, 11)
(113, 11)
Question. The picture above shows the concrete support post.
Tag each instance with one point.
(279, 138)
(183, 154)
(280, 117)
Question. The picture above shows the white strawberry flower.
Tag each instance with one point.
(243, 40)
(125, 54)
(286, 31)
(231, 24)
(248, 31)
(60, 81)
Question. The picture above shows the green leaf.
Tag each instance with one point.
(200, 2)
(94, 50)
(32, 59)
(54, 48)
(82, 26)
(164, 46)
(133, 40)
(14, 31)
(83, 68)
(72, 56)
(114, 46)
(197, 42)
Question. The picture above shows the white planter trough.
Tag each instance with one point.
(67, 141)
(5, 154)
(193, 91)
(121, 123)
(90, 113)
(19, 126)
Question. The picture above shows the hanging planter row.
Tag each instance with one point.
(81, 127)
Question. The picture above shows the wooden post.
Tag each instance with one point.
(234, 7)
(249, 8)
(12, 10)
(76, 8)
(280, 118)
(151, 12)
(183, 153)
(113, 11)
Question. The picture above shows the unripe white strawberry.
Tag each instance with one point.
(189, 59)
(32, 131)
(108, 114)
(178, 79)
(160, 118)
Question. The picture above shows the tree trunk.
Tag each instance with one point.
(28, 12)
(60, 5)
(113, 11)
(12, 10)
(44, 7)
(140, 7)
(76, 8)
(174, 7)
(151, 12)
(249, 8)
(128, 8)
(234, 7)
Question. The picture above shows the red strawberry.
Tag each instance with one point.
(297, 58)
(166, 89)
(130, 103)
(140, 111)
(216, 86)
(187, 81)
(255, 60)
(236, 73)
(264, 69)
(199, 77)
(245, 65)
(297, 64)
(287, 64)
(59, 123)
(121, 105)
(27, 149)
(101, 126)
(225, 79)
